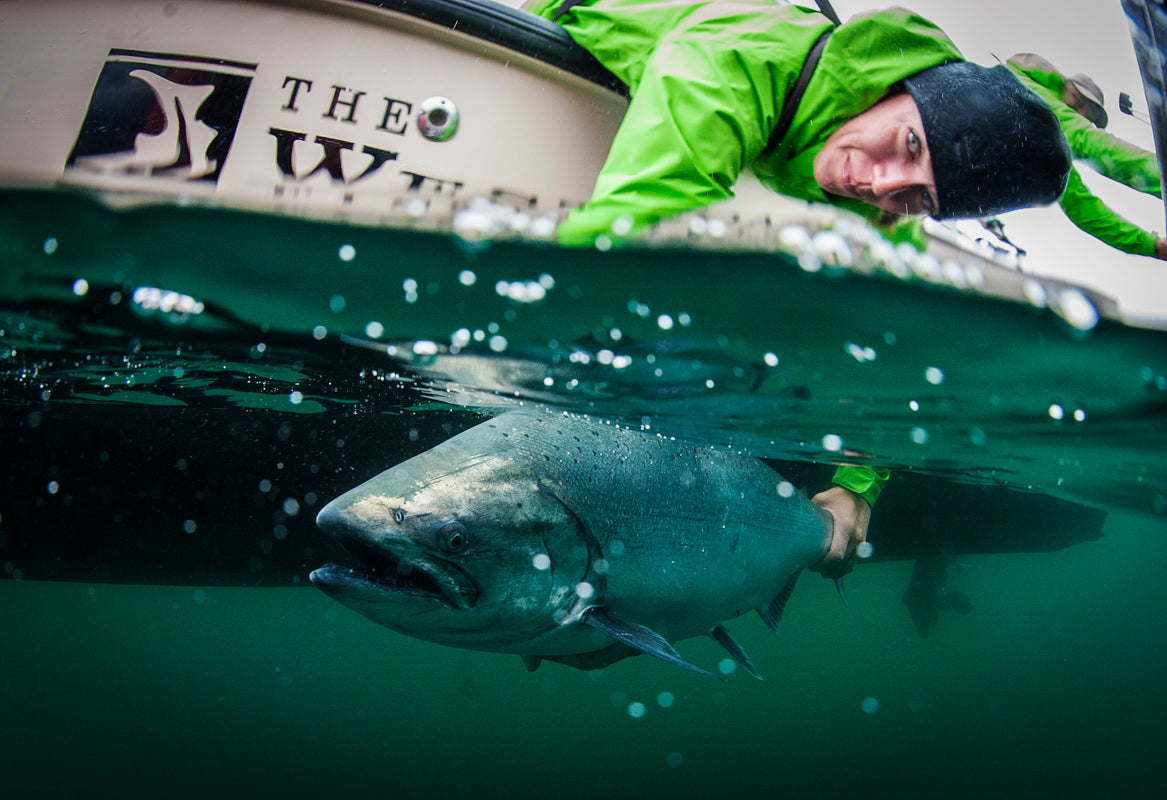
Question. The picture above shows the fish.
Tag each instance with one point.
(565, 538)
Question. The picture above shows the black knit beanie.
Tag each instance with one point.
(995, 146)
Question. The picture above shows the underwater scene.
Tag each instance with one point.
(184, 389)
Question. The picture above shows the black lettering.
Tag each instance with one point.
(296, 84)
(437, 185)
(513, 198)
(330, 161)
(351, 104)
(379, 159)
(285, 141)
(396, 112)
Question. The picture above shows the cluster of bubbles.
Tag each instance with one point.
(484, 219)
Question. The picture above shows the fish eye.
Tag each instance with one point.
(398, 515)
(454, 537)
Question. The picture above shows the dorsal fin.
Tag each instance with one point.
(772, 614)
(638, 637)
(735, 650)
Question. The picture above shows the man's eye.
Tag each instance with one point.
(927, 203)
(914, 146)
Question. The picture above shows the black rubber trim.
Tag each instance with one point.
(511, 28)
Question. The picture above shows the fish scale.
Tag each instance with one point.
(568, 538)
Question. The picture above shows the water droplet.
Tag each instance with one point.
(374, 330)
(785, 489)
(347, 252)
(665, 699)
(869, 705)
(636, 710)
(832, 442)
(934, 376)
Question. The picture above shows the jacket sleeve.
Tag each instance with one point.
(1111, 156)
(697, 117)
(1094, 217)
(867, 482)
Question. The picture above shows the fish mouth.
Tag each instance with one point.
(385, 571)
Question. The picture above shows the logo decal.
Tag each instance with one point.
(161, 115)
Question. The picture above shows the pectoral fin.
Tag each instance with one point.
(772, 614)
(638, 637)
(735, 650)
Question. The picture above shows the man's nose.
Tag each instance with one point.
(890, 177)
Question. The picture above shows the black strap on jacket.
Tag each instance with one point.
(790, 105)
(825, 7)
(567, 5)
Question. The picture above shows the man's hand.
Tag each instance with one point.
(851, 515)
(1161, 249)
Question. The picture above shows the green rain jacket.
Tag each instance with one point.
(1107, 154)
(707, 82)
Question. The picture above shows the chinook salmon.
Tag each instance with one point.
(568, 539)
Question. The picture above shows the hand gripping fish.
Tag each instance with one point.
(568, 539)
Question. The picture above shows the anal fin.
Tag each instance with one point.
(735, 650)
(638, 637)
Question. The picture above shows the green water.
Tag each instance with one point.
(163, 470)
(1050, 688)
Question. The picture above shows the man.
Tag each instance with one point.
(889, 120)
(1078, 103)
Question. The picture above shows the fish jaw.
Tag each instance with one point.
(511, 584)
(387, 565)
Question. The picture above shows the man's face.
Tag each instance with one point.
(881, 157)
(1074, 99)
